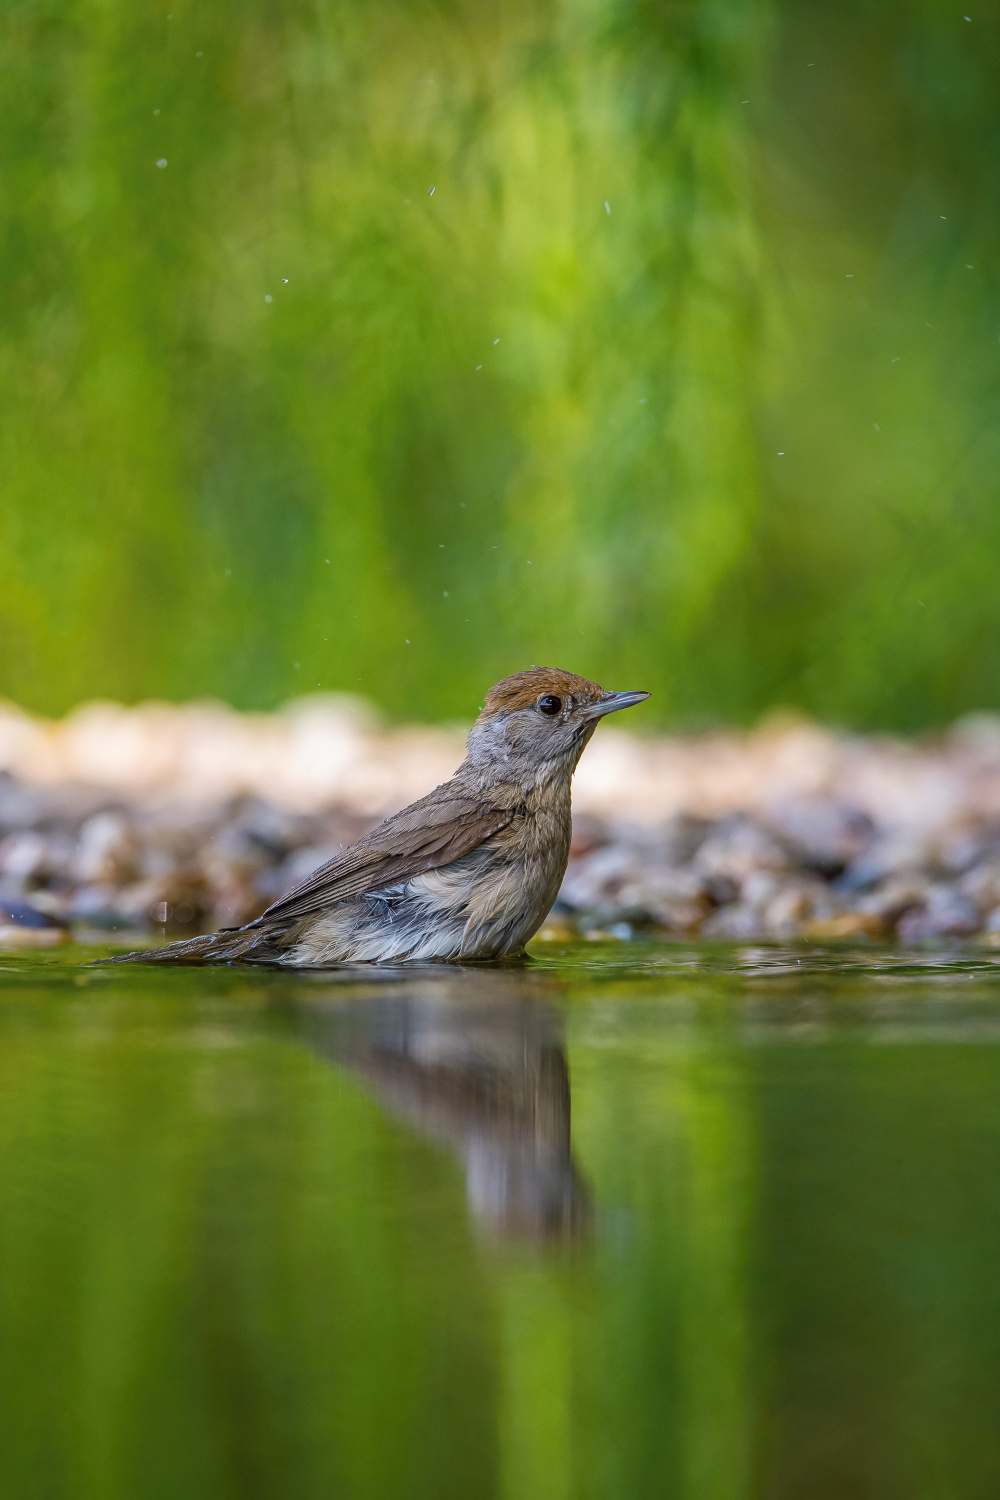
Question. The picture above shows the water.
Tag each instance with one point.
(634, 1221)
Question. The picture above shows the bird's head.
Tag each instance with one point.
(536, 723)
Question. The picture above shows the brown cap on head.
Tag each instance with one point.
(522, 689)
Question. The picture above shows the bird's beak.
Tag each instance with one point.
(612, 702)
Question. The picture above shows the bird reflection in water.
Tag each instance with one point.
(475, 1061)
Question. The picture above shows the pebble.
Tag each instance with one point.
(139, 867)
(25, 926)
(170, 821)
(753, 878)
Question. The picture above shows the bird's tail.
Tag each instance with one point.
(253, 944)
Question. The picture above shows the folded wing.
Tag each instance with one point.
(435, 831)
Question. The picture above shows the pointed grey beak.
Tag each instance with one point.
(612, 702)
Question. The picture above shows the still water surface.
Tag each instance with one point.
(631, 1222)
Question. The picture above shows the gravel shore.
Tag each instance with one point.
(163, 820)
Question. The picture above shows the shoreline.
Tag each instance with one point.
(173, 819)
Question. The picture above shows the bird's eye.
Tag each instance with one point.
(550, 704)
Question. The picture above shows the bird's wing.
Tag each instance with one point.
(435, 831)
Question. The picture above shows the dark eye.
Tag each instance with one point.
(550, 704)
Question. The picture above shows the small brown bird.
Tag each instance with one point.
(468, 872)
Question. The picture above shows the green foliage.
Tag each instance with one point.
(277, 416)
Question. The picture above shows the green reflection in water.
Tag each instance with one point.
(662, 1124)
(634, 1221)
(536, 1411)
(224, 1271)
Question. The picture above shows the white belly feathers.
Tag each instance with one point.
(474, 908)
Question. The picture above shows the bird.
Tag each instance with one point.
(467, 873)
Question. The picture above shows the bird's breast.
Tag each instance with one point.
(532, 853)
(511, 878)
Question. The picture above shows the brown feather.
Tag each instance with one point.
(522, 689)
(435, 831)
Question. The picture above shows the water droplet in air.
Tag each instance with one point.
(268, 297)
(199, 54)
(479, 367)
(156, 111)
(607, 206)
(496, 341)
(430, 192)
(162, 162)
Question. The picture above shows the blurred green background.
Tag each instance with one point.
(684, 375)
